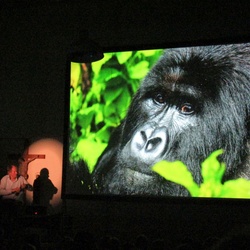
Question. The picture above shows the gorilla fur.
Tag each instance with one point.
(192, 102)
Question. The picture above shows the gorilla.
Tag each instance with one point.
(192, 102)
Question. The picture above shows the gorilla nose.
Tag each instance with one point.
(149, 143)
(153, 143)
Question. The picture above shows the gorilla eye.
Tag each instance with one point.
(159, 98)
(186, 109)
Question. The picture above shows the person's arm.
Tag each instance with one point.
(23, 183)
(4, 190)
(52, 188)
(30, 160)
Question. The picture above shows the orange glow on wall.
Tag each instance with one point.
(53, 151)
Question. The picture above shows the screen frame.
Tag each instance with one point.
(137, 198)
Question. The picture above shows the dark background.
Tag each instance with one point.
(35, 37)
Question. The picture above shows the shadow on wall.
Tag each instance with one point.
(53, 151)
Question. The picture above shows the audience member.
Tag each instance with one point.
(142, 242)
(159, 244)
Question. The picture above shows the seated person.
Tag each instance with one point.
(12, 186)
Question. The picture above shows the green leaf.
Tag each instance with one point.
(103, 135)
(96, 66)
(210, 189)
(123, 57)
(135, 83)
(111, 94)
(139, 70)
(76, 99)
(123, 102)
(90, 150)
(94, 95)
(75, 74)
(99, 113)
(109, 110)
(148, 53)
(212, 173)
(211, 169)
(177, 172)
(85, 117)
(106, 74)
(112, 121)
(239, 188)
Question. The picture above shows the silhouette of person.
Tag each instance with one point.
(43, 190)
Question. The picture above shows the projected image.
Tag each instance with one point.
(165, 122)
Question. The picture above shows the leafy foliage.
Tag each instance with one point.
(99, 98)
(212, 172)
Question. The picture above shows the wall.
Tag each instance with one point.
(34, 41)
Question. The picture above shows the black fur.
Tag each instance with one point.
(193, 102)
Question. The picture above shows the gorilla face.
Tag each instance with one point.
(151, 141)
(193, 101)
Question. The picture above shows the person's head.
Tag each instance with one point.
(12, 171)
(44, 173)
